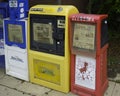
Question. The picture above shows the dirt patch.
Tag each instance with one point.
(114, 57)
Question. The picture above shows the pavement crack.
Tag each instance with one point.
(2, 76)
(15, 89)
(48, 92)
(113, 89)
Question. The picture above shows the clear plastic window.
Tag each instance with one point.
(84, 36)
(15, 33)
(43, 33)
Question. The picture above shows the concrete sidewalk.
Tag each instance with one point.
(10, 86)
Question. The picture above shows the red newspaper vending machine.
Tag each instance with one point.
(89, 44)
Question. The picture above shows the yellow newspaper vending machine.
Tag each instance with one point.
(48, 46)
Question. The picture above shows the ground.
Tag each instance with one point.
(114, 58)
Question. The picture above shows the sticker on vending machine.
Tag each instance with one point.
(85, 70)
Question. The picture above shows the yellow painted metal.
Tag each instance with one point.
(47, 71)
(51, 70)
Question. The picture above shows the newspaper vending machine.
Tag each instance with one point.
(89, 44)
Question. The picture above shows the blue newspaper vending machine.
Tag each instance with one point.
(18, 9)
(15, 32)
(3, 14)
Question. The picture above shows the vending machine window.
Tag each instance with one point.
(87, 32)
(15, 33)
(47, 34)
(84, 36)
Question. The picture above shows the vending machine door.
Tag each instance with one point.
(17, 64)
(47, 34)
(15, 33)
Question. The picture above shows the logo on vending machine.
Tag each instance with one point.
(16, 58)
